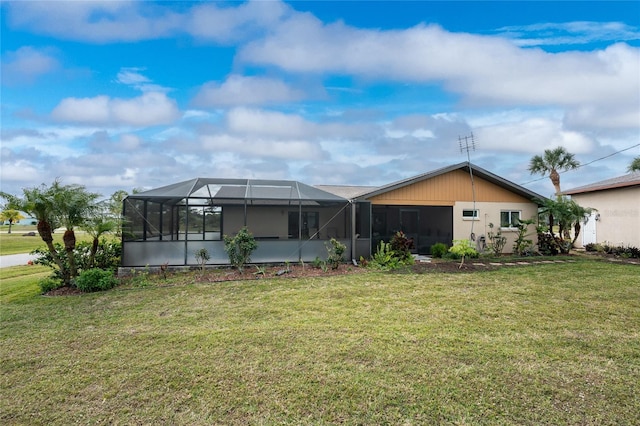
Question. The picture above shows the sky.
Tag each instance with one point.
(139, 94)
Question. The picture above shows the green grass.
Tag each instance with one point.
(545, 344)
(16, 243)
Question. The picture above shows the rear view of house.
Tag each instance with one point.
(455, 202)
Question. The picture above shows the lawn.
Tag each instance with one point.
(525, 345)
(17, 242)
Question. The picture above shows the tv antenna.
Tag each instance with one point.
(468, 144)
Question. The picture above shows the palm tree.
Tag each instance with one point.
(55, 206)
(10, 215)
(74, 206)
(39, 203)
(97, 226)
(634, 166)
(551, 162)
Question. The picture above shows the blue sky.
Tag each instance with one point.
(122, 95)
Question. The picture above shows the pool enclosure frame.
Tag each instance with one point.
(290, 221)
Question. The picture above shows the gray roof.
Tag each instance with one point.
(346, 191)
(632, 179)
(238, 189)
(477, 171)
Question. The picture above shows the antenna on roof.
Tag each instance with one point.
(468, 143)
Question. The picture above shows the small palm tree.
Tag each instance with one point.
(634, 166)
(97, 226)
(11, 216)
(551, 162)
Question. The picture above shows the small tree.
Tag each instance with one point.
(335, 251)
(202, 257)
(568, 216)
(11, 216)
(522, 243)
(634, 166)
(462, 249)
(239, 248)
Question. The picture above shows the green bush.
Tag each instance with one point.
(462, 249)
(49, 283)
(335, 253)
(240, 247)
(95, 280)
(438, 250)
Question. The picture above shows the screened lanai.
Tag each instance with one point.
(290, 221)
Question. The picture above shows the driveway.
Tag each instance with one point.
(15, 259)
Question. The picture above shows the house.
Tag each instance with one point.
(292, 221)
(452, 203)
(616, 219)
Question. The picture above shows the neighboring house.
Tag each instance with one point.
(617, 217)
(292, 221)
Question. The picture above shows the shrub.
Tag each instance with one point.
(523, 245)
(95, 280)
(496, 241)
(462, 249)
(107, 257)
(202, 257)
(49, 283)
(438, 250)
(240, 247)
(384, 258)
(336, 253)
(401, 246)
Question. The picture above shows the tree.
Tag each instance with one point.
(11, 216)
(97, 226)
(551, 162)
(634, 166)
(54, 206)
(567, 216)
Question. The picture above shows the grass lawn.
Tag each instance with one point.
(541, 344)
(16, 242)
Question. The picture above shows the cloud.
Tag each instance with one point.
(127, 21)
(481, 69)
(134, 78)
(569, 33)
(150, 109)
(27, 64)
(257, 148)
(241, 90)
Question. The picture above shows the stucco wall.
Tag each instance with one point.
(619, 209)
(490, 213)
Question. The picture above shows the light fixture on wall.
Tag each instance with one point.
(597, 216)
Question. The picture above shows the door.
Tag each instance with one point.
(589, 229)
(410, 225)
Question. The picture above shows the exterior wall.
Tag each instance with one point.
(619, 210)
(490, 213)
(445, 190)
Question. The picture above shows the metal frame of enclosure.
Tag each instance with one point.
(290, 221)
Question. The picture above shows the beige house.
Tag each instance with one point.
(452, 203)
(616, 220)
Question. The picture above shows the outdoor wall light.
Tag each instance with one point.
(597, 216)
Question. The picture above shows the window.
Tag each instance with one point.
(310, 224)
(509, 218)
(470, 214)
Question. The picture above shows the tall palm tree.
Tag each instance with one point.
(551, 162)
(634, 166)
(10, 215)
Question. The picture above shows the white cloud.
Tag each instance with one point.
(268, 124)
(241, 90)
(150, 109)
(531, 136)
(482, 69)
(569, 33)
(261, 147)
(125, 21)
(26, 64)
